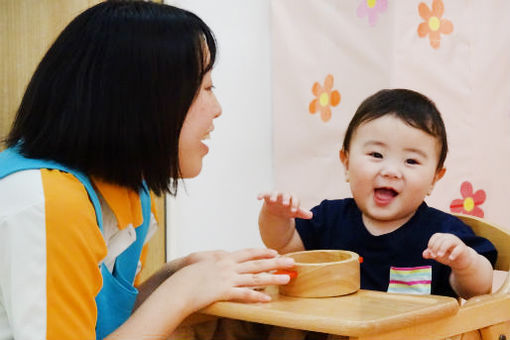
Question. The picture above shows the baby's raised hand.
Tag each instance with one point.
(284, 205)
(449, 250)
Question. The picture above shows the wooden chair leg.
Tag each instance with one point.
(500, 331)
(473, 335)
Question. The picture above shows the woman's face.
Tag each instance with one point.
(197, 126)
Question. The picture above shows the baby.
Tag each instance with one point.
(393, 154)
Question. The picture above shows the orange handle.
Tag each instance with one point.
(293, 274)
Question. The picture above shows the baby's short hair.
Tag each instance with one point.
(412, 107)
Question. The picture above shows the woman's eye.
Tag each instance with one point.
(209, 88)
(412, 161)
(376, 154)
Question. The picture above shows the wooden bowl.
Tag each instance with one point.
(322, 273)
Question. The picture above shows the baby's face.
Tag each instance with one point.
(391, 167)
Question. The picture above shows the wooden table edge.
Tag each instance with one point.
(253, 313)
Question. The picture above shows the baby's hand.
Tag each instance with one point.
(449, 250)
(284, 205)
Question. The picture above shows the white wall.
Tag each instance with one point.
(219, 209)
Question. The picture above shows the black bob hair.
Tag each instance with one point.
(411, 107)
(110, 96)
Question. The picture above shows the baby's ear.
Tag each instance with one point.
(439, 174)
(344, 158)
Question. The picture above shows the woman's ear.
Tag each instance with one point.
(344, 158)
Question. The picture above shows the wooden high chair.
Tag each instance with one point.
(372, 315)
(487, 316)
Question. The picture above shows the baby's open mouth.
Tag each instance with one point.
(386, 192)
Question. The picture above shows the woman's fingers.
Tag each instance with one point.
(261, 279)
(248, 254)
(242, 255)
(233, 275)
(243, 294)
(258, 266)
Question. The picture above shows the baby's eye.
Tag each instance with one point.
(412, 161)
(376, 154)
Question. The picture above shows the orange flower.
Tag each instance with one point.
(433, 25)
(324, 98)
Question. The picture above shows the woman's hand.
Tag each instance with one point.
(204, 278)
(220, 275)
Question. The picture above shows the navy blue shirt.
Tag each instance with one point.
(337, 224)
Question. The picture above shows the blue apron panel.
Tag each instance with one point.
(12, 161)
(117, 297)
(119, 283)
(116, 300)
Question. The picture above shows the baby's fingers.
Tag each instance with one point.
(270, 197)
(455, 253)
(294, 204)
(263, 196)
(444, 247)
(297, 211)
(286, 199)
(427, 254)
(439, 244)
(434, 241)
(303, 213)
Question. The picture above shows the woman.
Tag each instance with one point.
(116, 109)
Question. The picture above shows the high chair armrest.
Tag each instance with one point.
(505, 287)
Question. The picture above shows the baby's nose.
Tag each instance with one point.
(391, 171)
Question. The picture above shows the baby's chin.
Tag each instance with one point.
(386, 216)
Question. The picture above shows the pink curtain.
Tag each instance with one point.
(329, 55)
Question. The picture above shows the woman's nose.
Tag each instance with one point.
(217, 108)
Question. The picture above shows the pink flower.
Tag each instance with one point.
(371, 8)
(469, 203)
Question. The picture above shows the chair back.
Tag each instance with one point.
(499, 236)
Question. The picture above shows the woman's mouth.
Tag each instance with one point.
(208, 133)
(206, 137)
